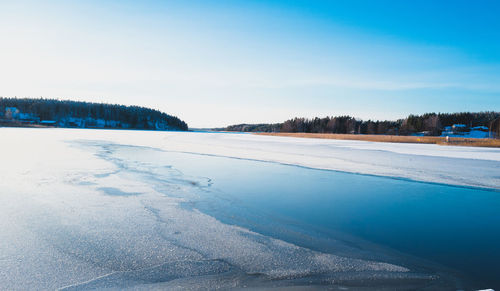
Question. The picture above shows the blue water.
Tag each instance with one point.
(428, 227)
(455, 227)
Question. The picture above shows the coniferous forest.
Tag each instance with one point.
(65, 113)
(428, 124)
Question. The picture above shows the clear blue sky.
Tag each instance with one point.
(214, 63)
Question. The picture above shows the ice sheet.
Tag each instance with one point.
(75, 214)
(464, 166)
(454, 165)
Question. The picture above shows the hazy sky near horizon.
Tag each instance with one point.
(215, 63)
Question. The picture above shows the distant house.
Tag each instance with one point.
(457, 128)
(100, 122)
(16, 115)
(11, 113)
(28, 118)
(448, 130)
(75, 122)
(461, 130)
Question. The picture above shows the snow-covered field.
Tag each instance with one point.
(76, 213)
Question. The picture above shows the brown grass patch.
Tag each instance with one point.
(459, 141)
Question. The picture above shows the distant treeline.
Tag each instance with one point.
(65, 113)
(429, 123)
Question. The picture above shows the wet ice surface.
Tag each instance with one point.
(80, 209)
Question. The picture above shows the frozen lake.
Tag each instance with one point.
(84, 209)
